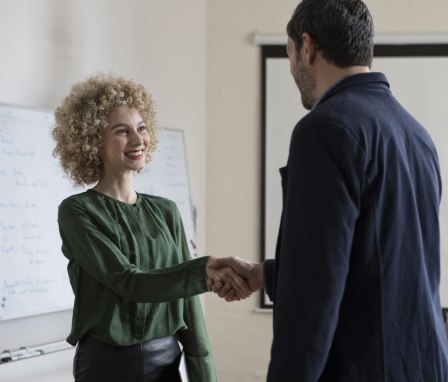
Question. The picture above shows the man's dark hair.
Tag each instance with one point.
(342, 29)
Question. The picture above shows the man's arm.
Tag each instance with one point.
(322, 193)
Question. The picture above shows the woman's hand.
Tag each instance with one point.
(224, 277)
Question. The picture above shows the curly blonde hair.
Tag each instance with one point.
(82, 117)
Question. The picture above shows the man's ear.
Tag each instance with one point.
(309, 48)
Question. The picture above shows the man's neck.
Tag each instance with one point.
(328, 75)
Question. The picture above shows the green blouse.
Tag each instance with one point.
(132, 275)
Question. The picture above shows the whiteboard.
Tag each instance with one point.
(167, 175)
(33, 271)
(418, 78)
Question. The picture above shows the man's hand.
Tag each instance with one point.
(218, 275)
(251, 272)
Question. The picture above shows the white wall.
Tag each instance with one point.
(47, 45)
(199, 60)
(241, 337)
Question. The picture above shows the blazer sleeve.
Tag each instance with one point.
(268, 277)
(321, 206)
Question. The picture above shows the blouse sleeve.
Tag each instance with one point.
(104, 262)
(195, 342)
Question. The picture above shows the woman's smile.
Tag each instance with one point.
(136, 154)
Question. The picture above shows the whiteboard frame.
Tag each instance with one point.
(66, 304)
(379, 39)
(274, 46)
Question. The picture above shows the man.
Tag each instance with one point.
(355, 282)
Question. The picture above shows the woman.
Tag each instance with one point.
(134, 282)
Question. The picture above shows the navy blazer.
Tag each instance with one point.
(355, 282)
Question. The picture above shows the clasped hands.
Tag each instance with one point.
(233, 278)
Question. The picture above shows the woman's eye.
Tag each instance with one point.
(142, 129)
(121, 131)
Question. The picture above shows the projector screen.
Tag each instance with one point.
(418, 77)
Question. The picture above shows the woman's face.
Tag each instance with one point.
(125, 142)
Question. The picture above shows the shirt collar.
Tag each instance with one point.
(330, 89)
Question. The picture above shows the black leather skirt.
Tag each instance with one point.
(150, 361)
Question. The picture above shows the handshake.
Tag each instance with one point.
(233, 278)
